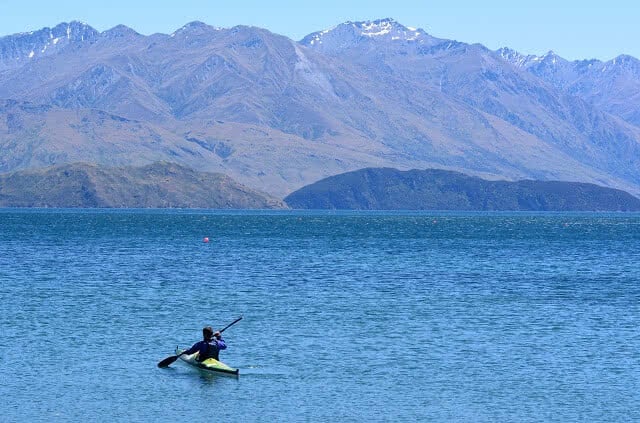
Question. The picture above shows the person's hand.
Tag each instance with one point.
(217, 335)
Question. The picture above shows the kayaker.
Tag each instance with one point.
(209, 347)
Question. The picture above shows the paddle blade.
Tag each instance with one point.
(167, 361)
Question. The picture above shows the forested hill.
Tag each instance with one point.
(431, 189)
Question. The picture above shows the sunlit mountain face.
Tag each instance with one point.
(276, 114)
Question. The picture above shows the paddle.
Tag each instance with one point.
(167, 361)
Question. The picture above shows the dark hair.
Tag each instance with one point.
(207, 332)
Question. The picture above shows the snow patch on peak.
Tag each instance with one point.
(551, 56)
(511, 55)
(382, 27)
(516, 58)
(316, 38)
(374, 28)
(352, 33)
(46, 41)
(525, 61)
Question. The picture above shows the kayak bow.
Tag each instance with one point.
(210, 365)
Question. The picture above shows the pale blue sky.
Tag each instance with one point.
(573, 29)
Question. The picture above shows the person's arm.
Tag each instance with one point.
(219, 341)
(194, 348)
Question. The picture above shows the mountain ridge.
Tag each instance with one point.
(276, 114)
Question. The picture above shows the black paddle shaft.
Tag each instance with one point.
(230, 324)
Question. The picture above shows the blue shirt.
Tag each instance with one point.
(206, 349)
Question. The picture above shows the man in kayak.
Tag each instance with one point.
(208, 347)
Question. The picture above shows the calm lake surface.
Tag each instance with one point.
(347, 316)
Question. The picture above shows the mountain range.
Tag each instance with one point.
(277, 114)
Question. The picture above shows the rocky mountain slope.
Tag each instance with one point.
(276, 114)
(432, 189)
(612, 86)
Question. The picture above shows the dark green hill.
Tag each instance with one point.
(160, 185)
(391, 189)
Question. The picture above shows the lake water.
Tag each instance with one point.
(347, 316)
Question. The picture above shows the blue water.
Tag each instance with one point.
(347, 316)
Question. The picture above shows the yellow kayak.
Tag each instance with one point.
(209, 365)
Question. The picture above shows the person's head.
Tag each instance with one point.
(207, 333)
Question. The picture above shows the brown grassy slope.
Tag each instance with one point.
(160, 185)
